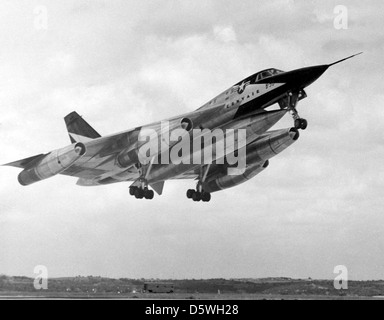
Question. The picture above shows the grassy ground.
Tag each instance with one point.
(244, 289)
(177, 296)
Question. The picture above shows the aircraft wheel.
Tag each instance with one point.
(190, 193)
(196, 197)
(149, 194)
(139, 193)
(298, 123)
(303, 124)
(206, 197)
(132, 191)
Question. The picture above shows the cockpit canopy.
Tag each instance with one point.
(261, 75)
(267, 73)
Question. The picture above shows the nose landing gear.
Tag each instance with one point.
(301, 123)
(293, 99)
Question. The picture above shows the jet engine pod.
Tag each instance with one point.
(186, 124)
(80, 149)
(224, 181)
(52, 164)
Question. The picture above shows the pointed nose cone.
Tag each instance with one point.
(298, 79)
(302, 78)
(306, 76)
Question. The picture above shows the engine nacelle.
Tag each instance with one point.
(52, 164)
(186, 124)
(225, 181)
(258, 154)
(271, 144)
(158, 136)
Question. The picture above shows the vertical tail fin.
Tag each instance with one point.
(78, 129)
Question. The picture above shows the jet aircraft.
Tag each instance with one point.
(97, 160)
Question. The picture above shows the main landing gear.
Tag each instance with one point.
(199, 194)
(140, 189)
(293, 99)
(141, 193)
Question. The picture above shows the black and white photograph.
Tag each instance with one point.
(207, 152)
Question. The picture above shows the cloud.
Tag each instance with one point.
(225, 34)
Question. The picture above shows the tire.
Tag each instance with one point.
(132, 191)
(139, 194)
(149, 195)
(196, 197)
(206, 197)
(190, 193)
(303, 124)
(298, 123)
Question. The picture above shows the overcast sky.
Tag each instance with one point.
(122, 64)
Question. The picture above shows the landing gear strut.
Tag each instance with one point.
(293, 99)
(142, 191)
(199, 194)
